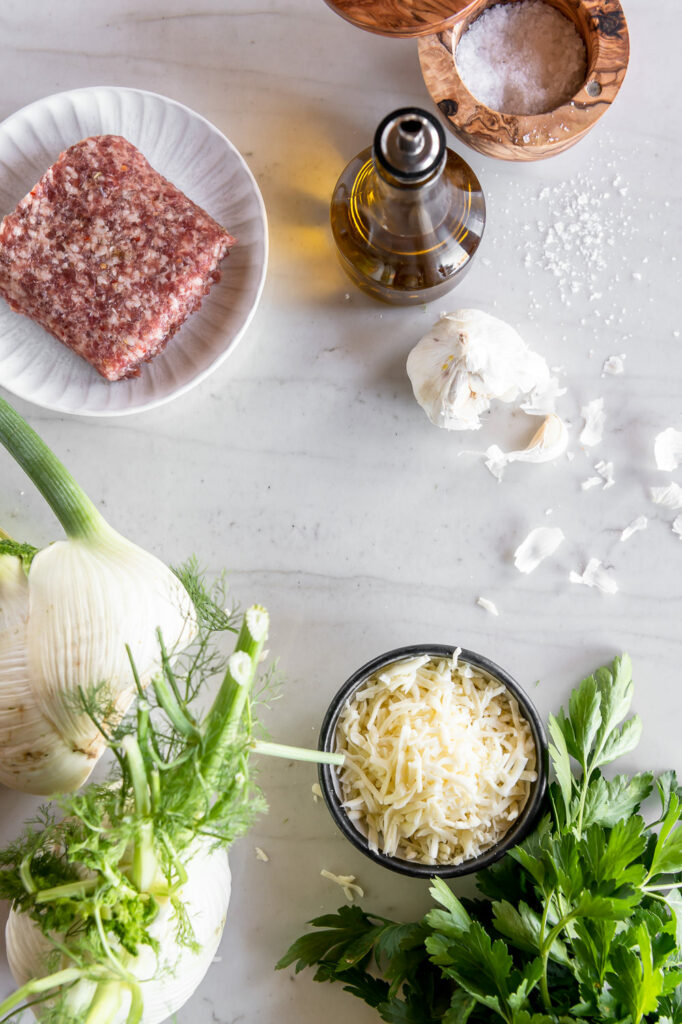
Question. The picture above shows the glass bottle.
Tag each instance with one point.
(407, 213)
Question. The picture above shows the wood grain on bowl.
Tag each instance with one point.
(402, 18)
(603, 28)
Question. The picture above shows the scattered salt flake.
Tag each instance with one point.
(538, 545)
(595, 576)
(592, 481)
(595, 417)
(347, 883)
(668, 449)
(677, 526)
(640, 523)
(614, 365)
(487, 605)
(605, 470)
(261, 854)
(316, 791)
(669, 496)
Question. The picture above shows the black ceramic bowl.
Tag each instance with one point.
(521, 827)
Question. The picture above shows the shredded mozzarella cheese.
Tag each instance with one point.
(438, 760)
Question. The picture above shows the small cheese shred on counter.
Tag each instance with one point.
(438, 763)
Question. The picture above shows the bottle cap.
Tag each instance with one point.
(403, 19)
(409, 144)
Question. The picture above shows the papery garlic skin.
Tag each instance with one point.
(66, 627)
(465, 361)
(540, 543)
(167, 979)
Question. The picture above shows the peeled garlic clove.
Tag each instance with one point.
(465, 361)
(548, 442)
(538, 545)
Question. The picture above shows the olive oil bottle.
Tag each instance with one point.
(407, 213)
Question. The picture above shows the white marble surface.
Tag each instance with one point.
(305, 466)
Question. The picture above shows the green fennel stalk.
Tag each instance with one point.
(93, 878)
(66, 498)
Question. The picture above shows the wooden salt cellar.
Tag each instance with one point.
(602, 26)
(403, 18)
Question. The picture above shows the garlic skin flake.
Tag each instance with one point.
(548, 442)
(167, 978)
(668, 449)
(595, 417)
(467, 360)
(595, 576)
(669, 496)
(538, 545)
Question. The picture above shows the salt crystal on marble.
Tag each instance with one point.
(522, 58)
(677, 526)
(487, 605)
(613, 365)
(592, 481)
(640, 523)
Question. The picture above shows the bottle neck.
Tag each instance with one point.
(409, 208)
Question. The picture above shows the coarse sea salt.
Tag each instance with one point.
(640, 523)
(487, 605)
(522, 58)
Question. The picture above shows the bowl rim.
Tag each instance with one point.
(520, 136)
(521, 827)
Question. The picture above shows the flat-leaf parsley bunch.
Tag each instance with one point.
(581, 922)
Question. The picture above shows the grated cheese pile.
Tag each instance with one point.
(438, 760)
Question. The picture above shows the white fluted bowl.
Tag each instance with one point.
(194, 156)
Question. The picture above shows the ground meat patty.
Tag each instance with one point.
(109, 256)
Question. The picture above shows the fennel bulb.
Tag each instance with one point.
(118, 906)
(66, 615)
(168, 978)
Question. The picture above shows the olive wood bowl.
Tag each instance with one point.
(402, 18)
(602, 26)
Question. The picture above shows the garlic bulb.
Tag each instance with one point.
(465, 361)
(65, 622)
(167, 978)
